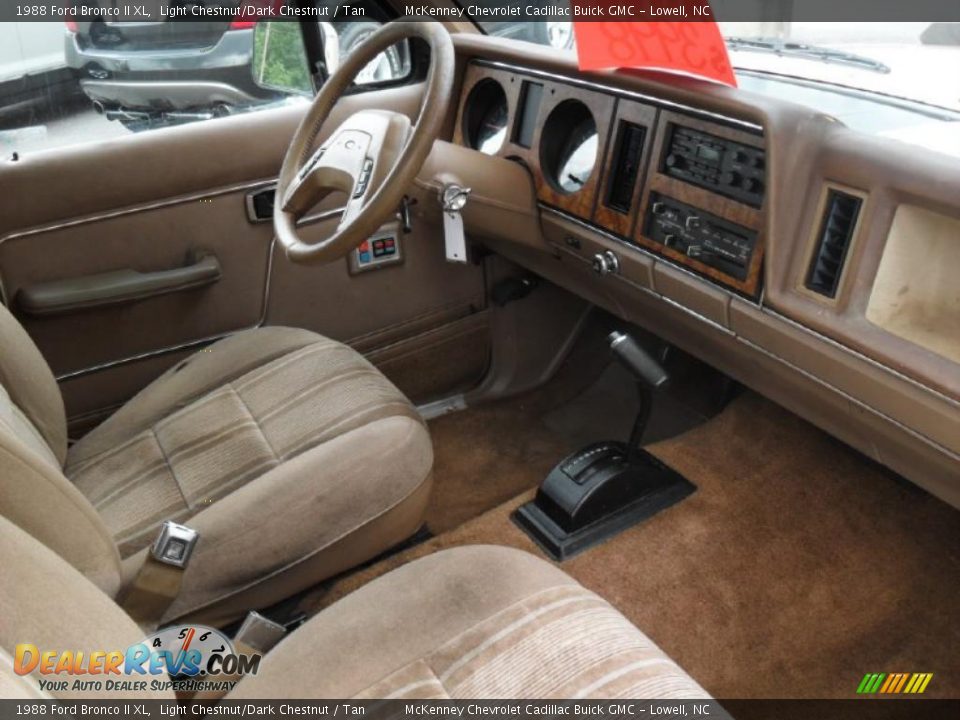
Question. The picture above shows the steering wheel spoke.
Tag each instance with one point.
(372, 157)
(335, 167)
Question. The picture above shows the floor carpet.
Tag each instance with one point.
(795, 568)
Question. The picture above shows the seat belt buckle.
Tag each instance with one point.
(174, 544)
(259, 633)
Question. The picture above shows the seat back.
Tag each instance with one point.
(46, 603)
(34, 493)
(31, 387)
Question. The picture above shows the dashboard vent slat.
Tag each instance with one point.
(833, 241)
(627, 153)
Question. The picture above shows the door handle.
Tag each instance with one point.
(115, 287)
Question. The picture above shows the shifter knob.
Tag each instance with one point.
(638, 361)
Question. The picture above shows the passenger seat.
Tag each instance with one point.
(472, 622)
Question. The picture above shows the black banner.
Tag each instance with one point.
(489, 10)
(860, 709)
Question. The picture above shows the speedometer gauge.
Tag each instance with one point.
(577, 157)
(568, 146)
(485, 117)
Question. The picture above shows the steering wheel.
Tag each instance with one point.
(373, 156)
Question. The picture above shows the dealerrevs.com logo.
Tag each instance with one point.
(184, 657)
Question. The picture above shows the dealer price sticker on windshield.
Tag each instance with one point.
(690, 46)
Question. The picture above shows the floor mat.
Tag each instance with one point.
(796, 568)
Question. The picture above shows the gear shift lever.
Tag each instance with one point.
(650, 376)
(602, 489)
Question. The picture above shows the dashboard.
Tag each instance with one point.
(808, 260)
(683, 186)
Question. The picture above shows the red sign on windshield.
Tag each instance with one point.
(691, 47)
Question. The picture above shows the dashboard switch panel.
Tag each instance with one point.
(723, 166)
(381, 249)
(713, 241)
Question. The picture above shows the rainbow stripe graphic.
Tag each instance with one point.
(894, 683)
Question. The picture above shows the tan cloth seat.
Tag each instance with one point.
(292, 456)
(474, 622)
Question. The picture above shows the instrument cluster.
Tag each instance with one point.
(685, 186)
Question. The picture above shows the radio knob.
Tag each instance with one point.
(692, 222)
(730, 178)
(674, 161)
(613, 262)
(600, 264)
(751, 184)
(669, 239)
(605, 263)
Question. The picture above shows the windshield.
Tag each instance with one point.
(911, 61)
(916, 62)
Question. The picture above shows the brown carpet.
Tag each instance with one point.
(796, 568)
(488, 454)
(485, 456)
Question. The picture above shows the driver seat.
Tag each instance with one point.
(291, 455)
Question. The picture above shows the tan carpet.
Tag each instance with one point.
(796, 568)
(486, 456)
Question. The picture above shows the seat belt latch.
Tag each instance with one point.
(258, 633)
(158, 581)
(174, 544)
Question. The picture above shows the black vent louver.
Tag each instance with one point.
(833, 241)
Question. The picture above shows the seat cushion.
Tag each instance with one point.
(240, 409)
(472, 622)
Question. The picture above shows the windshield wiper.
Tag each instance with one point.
(787, 48)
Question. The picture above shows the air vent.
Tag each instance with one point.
(833, 241)
(627, 152)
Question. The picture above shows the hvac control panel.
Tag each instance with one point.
(713, 241)
(723, 166)
(381, 249)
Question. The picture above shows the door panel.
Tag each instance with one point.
(146, 241)
(151, 201)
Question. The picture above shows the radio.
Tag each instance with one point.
(724, 166)
(713, 241)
